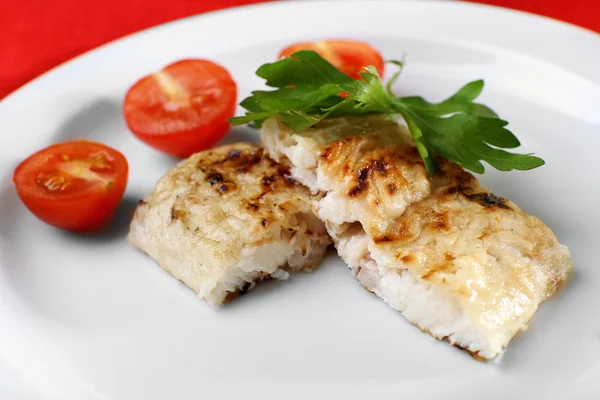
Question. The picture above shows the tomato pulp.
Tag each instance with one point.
(74, 185)
(183, 108)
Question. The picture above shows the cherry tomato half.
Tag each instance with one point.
(182, 109)
(349, 56)
(74, 185)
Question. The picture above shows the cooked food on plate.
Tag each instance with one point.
(458, 261)
(414, 227)
(183, 108)
(227, 218)
(74, 185)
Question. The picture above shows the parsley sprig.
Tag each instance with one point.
(310, 89)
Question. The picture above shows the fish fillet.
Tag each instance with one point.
(459, 262)
(226, 218)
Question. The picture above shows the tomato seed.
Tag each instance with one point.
(52, 182)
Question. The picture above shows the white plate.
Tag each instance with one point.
(92, 318)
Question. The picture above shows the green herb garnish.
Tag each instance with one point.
(309, 88)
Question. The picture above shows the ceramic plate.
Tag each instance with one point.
(93, 318)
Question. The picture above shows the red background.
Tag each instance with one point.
(36, 35)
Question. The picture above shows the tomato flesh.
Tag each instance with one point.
(75, 186)
(183, 108)
(349, 56)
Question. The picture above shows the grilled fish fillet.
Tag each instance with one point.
(456, 260)
(225, 218)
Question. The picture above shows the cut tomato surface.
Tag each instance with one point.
(73, 185)
(183, 108)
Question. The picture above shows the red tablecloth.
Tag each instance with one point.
(36, 35)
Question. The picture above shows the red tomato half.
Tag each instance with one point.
(348, 56)
(183, 108)
(74, 185)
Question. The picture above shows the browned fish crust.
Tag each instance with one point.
(226, 217)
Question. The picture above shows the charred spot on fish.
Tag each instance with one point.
(197, 229)
(230, 297)
(245, 288)
(267, 181)
(223, 189)
(251, 162)
(264, 222)
(439, 221)
(244, 162)
(391, 188)
(361, 177)
(380, 166)
(252, 207)
(290, 181)
(272, 163)
(214, 178)
(465, 179)
(453, 189)
(403, 233)
(428, 274)
(357, 190)
(142, 203)
(447, 266)
(409, 258)
(260, 196)
(325, 153)
(233, 154)
(464, 183)
(488, 200)
(363, 174)
(177, 214)
(285, 173)
(382, 239)
(282, 208)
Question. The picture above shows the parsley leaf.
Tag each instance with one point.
(309, 89)
(304, 67)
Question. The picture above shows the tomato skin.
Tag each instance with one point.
(349, 56)
(84, 205)
(183, 108)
